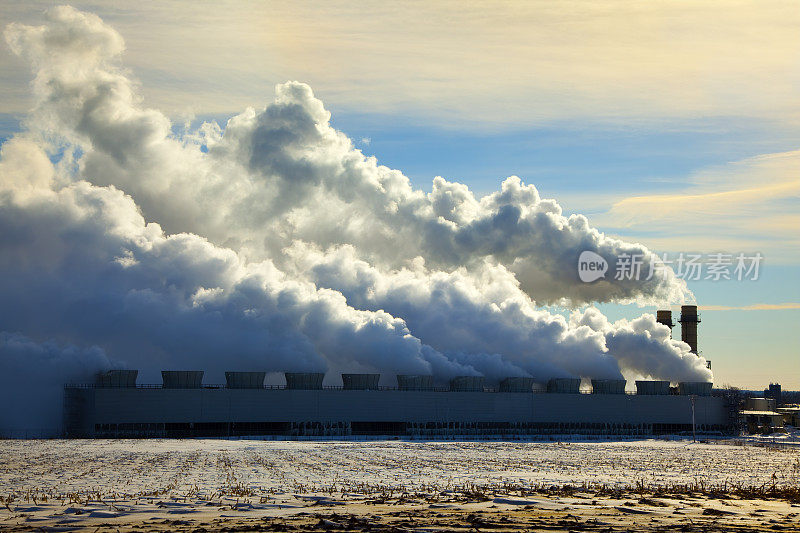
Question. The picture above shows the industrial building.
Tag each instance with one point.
(182, 406)
(760, 416)
(790, 414)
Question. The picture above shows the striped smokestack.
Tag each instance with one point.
(665, 317)
(689, 321)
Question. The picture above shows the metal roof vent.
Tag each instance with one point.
(117, 378)
(414, 382)
(608, 386)
(516, 384)
(696, 388)
(360, 381)
(182, 379)
(652, 388)
(304, 380)
(245, 380)
(467, 383)
(564, 385)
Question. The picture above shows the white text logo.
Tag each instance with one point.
(591, 266)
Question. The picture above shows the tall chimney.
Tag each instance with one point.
(689, 321)
(665, 317)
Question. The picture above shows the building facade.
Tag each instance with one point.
(218, 411)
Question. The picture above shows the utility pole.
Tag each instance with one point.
(694, 432)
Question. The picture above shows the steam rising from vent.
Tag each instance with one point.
(272, 244)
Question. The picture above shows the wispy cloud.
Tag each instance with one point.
(487, 63)
(754, 307)
(745, 206)
(729, 189)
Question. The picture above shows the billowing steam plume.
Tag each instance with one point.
(274, 244)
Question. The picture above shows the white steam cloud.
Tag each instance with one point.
(274, 244)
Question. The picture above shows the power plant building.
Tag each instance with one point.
(100, 410)
(182, 406)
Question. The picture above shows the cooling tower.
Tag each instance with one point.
(182, 379)
(689, 320)
(696, 388)
(652, 388)
(410, 382)
(665, 317)
(516, 384)
(304, 380)
(245, 380)
(360, 381)
(564, 385)
(608, 386)
(117, 378)
(467, 383)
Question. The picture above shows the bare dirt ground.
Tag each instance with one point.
(377, 486)
(580, 511)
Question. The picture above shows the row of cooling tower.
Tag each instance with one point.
(193, 379)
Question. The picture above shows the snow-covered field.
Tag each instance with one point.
(112, 476)
(134, 466)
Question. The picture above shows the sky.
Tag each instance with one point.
(674, 125)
